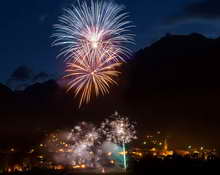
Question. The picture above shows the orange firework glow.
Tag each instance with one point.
(95, 76)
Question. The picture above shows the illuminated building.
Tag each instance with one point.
(165, 151)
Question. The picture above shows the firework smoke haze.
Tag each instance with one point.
(78, 146)
(85, 144)
(89, 145)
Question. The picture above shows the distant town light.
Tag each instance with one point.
(109, 153)
(112, 162)
(31, 151)
(83, 166)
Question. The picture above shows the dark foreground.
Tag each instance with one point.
(144, 166)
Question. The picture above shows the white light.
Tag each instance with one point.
(94, 39)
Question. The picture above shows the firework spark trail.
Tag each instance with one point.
(119, 130)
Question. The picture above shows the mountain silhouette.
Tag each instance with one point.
(172, 85)
(177, 61)
(4, 91)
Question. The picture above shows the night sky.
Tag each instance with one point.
(26, 27)
(192, 105)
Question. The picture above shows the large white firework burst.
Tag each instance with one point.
(91, 28)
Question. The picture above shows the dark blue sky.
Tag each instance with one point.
(26, 26)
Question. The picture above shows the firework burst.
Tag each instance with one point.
(94, 37)
(85, 144)
(118, 129)
(87, 77)
(91, 28)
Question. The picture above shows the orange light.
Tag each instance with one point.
(83, 166)
(59, 167)
(61, 150)
(112, 162)
(110, 153)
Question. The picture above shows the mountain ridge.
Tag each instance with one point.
(169, 85)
